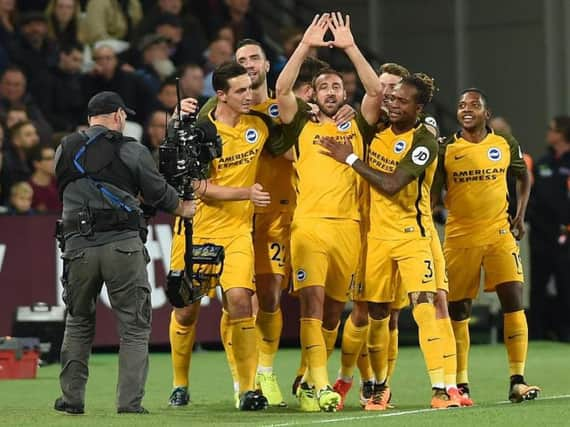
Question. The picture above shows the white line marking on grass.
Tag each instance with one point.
(396, 414)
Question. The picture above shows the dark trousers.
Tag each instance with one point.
(122, 266)
(548, 259)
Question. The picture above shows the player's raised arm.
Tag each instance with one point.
(313, 37)
(206, 190)
(343, 39)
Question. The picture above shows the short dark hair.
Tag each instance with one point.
(181, 70)
(247, 42)
(323, 71)
(394, 69)
(15, 130)
(13, 69)
(562, 125)
(424, 85)
(36, 152)
(70, 46)
(225, 72)
(309, 68)
(170, 81)
(482, 94)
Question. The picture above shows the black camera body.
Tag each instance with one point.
(184, 157)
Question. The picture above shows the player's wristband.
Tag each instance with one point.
(351, 159)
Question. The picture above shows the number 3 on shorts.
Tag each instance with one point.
(428, 275)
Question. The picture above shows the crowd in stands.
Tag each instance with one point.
(56, 54)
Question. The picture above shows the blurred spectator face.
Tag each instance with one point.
(226, 33)
(238, 6)
(71, 63)
(170, 6)
(21, 195)
(291, 43)
(46, 164)
(350, 83)
(7, 6)
(26, 137)
(155, 128)
(252, 58)
(105, 62)
(167, 96)
(16, 116)
(156, 52)
(554, 135)
(64, 11)
(500, 124)
(192, 82)
(220, 51)
(13, 85)
(35, 32)
(171, 32)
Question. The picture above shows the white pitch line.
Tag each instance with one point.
(396, 414)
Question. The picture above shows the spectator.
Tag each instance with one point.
(243, 23)
(62, 96)
(192, 83)
(219, 51)
(2, 188)
(46, 197)
(226, 33)
(8, 15)
(65, 24)
(290, 38)
(13, 86)
(154, 132)
(549, 214)
(351, 86)
(185, 45)
(167, 99)
(111, 19)
(15, 115)
(16, 164)
(107, 76)
(156, 66)
(20, 203)
(31, 49)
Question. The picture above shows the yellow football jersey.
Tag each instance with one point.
(475, 175)
(241, 148)
(404, 215)
(326, 188)
(275, 174)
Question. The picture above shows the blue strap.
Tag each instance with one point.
(108, 194)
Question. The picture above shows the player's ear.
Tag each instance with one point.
(267, 66)
(487, 114)
(222, 97)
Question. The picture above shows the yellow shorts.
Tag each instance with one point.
(500, 261)
(238, 262)
(324, 252)
(385, 259)
(271, 237)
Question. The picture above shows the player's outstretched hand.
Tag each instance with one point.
(315, 33)
(258, 196)
(333, 149)
(344, 114)
(187, 106)
(340, 28)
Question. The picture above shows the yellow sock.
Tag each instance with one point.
(392, 352)
(378, 341)
(313, 342)
(430, 342)
(352, 339)
(181, 343)
(449, 351)
(226, 335)
(303, 365)
(269, 326)
(363, 361)
(516, 340)
(244, 344)
(462, 343)
(330, 339)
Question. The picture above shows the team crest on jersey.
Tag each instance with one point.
(494, 154)
(301, 275)
(251, 135)
(399, 146)
(420, 155)
(429, 120)
(273, 110)
(344, 126)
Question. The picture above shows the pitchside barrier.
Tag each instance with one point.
(30, 267)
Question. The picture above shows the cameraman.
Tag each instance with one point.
(100, 174)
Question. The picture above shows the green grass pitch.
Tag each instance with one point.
(29, 402)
